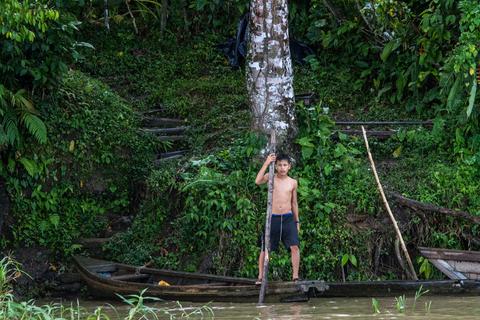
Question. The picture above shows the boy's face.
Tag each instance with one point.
(282, 167)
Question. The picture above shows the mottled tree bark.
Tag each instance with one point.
(269, 70)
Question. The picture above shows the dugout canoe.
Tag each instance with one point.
(455, 264)
(107, 279)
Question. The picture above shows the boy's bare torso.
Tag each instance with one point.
(282, 195)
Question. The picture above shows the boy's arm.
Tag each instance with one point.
(295, 204)
(261, 176)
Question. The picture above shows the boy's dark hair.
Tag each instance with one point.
(283, 156)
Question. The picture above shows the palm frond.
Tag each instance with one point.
(35, 126)
(11, 130)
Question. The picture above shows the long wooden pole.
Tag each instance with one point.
(268, 220)
(387, 206)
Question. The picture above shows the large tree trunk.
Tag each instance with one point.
(269, 70)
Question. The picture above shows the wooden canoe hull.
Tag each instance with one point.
(455, 264)
(400, 287)
(205, 288)
(102, 282)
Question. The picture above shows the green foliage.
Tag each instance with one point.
(36, 44)
(425, 267)
(90, 166)
(375, 305)
(136, 307)
(422, 56)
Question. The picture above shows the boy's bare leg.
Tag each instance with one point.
(261, 259)
(295, 252)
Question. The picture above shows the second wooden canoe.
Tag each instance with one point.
(455, 264)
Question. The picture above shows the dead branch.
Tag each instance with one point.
(417, 205)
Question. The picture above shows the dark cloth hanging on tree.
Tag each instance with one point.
(235, 49)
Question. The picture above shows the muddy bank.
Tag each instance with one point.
(45, 278)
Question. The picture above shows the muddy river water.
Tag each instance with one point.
(427, 307)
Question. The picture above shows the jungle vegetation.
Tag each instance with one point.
(72, 95)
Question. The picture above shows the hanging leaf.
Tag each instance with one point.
(353, 260)
(397, 152)
(389, 48)
(453, 93)
(471, 99)
(29, 165)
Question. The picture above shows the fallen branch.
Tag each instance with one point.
(417, 205)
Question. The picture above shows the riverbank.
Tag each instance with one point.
(208, 194)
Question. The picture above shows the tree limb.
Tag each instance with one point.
(417, 205)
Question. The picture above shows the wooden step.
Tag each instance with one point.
(93, 242)
(161, 122)
(170, 138)
(370, 133)
(171, 154)
(307, 98)
(165, 130)
(384, 123)
(158, 161)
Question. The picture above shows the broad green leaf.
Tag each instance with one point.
(471, 99)
(389, 48)
(353, 260)
(306, 142)
(344, 259)
(398, 152)
(29, 165)
(307, 152)
(453, 93)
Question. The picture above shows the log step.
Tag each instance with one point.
(307, 98)
(383, 123)
(93, 242)
(131, 277)
(162, 122)
(165, 130)
(378, 134)
(172, 153)
(170, 138)
(158, 161)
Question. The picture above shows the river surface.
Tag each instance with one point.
(445, 307)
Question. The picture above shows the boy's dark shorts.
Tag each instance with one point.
(283, 228)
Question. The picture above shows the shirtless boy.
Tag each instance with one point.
(285, 224)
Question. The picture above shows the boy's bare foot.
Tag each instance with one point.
(258, 282)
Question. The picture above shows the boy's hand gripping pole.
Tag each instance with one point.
(268, 220)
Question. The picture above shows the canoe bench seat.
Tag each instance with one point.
(131, 277)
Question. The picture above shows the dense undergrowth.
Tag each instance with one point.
(91, 165)
(204, 212)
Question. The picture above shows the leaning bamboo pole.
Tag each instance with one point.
(387, 206)
(268, 221)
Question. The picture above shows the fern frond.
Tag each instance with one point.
(35, 126)
(11, 131)
(3, 138)
(19, 100)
